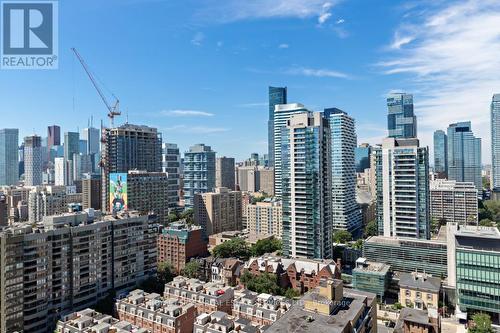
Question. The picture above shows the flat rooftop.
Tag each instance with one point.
(478, 238)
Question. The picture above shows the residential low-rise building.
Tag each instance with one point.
(219, 321)
(156, 314)
(88, 320)
(260, 309)
(227, 271)
(417, 321)
(206, 296)
(453, 201)
(371, 276)
(419, 290)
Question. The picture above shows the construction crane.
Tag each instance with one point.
(114, 110)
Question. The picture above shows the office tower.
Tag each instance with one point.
(171, 164)
(265, 218)
(495, 143)
(9, 143)
(21, 159)
(71, 145)
(307, 186)
(199, 172)
(362, 157)
(265, 180)
(440, 153)
(32, 160)
(69, 263)
(128, 147)
(224, 172)
(277, 95)
(401, 121)
(148, 193)
(464, 155)
(82, 163)
(60, 171)
(346, 214)
(92, 138)
(247, 178)
(282, 114)
(402, 172)
(218, 211)
(53, 136)
(91, 191)
(452, 201)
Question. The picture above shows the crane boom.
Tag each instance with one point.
(112, 110)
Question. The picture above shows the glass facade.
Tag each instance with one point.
(362, 158)
(440, 152)
(371, 281)
(401, 121)
(495, 142)
(199, 172)
(464, 154)
(9, 145)
(277, 95)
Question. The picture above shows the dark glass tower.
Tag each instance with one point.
(277, 95)
(401, 121)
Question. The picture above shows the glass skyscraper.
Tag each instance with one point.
(277, 95)
(440, 153)
(495, 142)
(362, 157)
(307, 203)
(199, 172)
(401, 121)
(9, 145)
(346, 214)
(464, 154)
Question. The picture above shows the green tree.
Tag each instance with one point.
(371, 229)
(291, 293)
(358, 245)
(191, 269)
(235, 247)
(264, 283)
(486, 182)
(165, 273)
(264, 246)
(342, 236)
(486, 223)
(482, 323)
(172, 217)
(187, 215)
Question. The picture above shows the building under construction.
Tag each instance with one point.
(125, 148)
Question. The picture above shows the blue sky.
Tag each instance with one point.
(199, 70)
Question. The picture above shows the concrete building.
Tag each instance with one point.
(91, 191)
(218, 211)
(9, 145)
(401, 120)
(495, 142)
(306, 186)
(282, 114)
(464, 154)
(330, 308)
(156, 314)
(265, 179)
(47, 201)
(474, 269)
(32, 160)
(224, 172)
(277, 95)
(60, 177)
(419, 290)
(89, 320)
(128, 147)
(345, 211)
(408, 255)
(247, 179)
(371, 276)
(207, 297)
(259, 309)
(265, 218)
(171, 164)
(219, 321)
(178, 243)
(199, 172)
(454, 201)
(68, 263)
(148, 193)
(402, 171)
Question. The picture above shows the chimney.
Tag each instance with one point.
(339, 264)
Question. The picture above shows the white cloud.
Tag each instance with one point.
(324, 17)
(453, 60)
(235, 10)
(283, 46)
(400, 40)
(321, 72)
(340, 21)
(186, 113)
(198, 39)
(253, 105)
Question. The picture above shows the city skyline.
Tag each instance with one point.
(225, 95)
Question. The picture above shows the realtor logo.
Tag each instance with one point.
(29, 34)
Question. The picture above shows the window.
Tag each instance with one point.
(429, 297)
(408, 293)
(419, 294)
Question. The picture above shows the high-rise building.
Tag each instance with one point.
(9, 143)
(346, 213)
(282, 114)
(464, 155)
(218, 211)
(53, 136)
(265, 218)
(246, 178)
(32, 160)
(402, 185)
(148, 193)
(129, 147)
(91, 136)
(91, 191)
(265, 179)
(440, 153)
(60, 175)
(277, 95)
(47, 201)
(454, 202)
(307, 186)
(171, 164)
(71, 145)
(362, 157)
(199, 172)
(401, 121)
(224, 172)
(495, 142)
